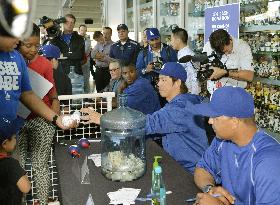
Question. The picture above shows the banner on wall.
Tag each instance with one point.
(222, 17)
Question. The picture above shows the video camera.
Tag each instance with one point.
(52, 26)
(202, 63)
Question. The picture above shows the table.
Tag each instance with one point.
(72, 192)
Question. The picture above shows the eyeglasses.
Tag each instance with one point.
(114, 69)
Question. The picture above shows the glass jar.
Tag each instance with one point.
(123, 155)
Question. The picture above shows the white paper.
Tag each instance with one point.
(96, 158)
(40, 86)
(124, 196)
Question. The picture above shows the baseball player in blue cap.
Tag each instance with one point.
(14, 180)
(242, 163)
(183, 133)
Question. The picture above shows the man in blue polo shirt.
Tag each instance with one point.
(242, 164)
(183, 134)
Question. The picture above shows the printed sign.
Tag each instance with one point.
(222, 17)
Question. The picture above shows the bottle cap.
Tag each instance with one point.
(155, 164)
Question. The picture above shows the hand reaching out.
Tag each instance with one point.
(92, 117)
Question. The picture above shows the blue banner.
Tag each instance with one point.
(222, 17)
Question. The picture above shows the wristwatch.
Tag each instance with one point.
(54, 120)
(207, 188)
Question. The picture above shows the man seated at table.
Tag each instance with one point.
(184, 137)
(115, 72)
(242, 164)
(140, 93)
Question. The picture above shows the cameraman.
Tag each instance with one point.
(236, 55)
(71, 45)
(154, 55)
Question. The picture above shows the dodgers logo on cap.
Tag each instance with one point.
(152, 33)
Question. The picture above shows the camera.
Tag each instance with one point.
(202, 63)
(157, 64)
(52, 26)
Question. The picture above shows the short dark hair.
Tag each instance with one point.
(219, 39)
(71, 16)
(183, 87)
(97, 34)
(82, 25)
(125, 63)
(108, 28)
(181, 34)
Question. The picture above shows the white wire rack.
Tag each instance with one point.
(100, 102)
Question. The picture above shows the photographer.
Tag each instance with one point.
(153, 56)
(236, 55)
(71, 45)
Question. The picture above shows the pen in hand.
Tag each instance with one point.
(194, 199)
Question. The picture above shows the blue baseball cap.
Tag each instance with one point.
(228, 101)
(152, 33)
(50, 51)
(175, 70)
(9, 127)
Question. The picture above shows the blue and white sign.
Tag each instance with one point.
(222, 17)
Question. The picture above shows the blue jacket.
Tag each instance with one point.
(167, 54)
(184, 137)
(127, 52)
(142, 96)
(250, 173)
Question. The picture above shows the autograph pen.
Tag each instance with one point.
(194, 199)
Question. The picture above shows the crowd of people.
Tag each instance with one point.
(233, 169)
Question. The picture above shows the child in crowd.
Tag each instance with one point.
(13, 179)
(61, 79)
(37, 134)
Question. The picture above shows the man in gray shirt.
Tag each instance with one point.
(101, 55)
(86, 60)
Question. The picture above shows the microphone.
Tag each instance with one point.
(201, 58)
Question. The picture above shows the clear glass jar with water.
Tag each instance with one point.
(123, 156)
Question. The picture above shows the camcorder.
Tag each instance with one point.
(52, 26)
(203, 63)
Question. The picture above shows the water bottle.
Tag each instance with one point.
(158, 188)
